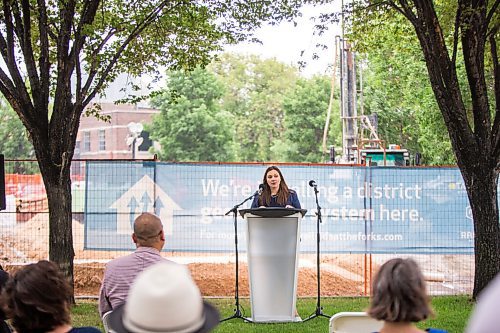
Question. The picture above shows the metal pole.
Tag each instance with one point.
(133, 148)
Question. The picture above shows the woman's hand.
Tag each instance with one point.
(289, 206)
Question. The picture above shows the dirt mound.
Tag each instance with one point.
(341, 274)
(219, 280)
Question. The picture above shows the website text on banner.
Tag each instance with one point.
(365, 210)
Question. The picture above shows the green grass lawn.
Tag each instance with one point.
(452, 313)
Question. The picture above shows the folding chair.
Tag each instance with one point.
(105, 322)
(354, 322)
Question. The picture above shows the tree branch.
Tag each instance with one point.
(8, 49)
(3, 48)
(63, 41)
(473, 43)
(44, 61)
(87, 18)
(60, 125)
(6, 86)
(455, 34)
(94, 64)
(88, 14)
(18, 22)
(496, 75)
(133, 34)
(24, 36)
(492, 12)
(405, 9)
(9, 91)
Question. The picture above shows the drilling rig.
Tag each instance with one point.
(361, 143)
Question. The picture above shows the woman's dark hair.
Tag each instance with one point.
(399, 293)
(4, 277)
(36, 298)
(283, 191)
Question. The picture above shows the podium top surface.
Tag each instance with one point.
(272, 211)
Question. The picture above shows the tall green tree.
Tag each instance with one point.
(305, 113)
(255, 89)
(66, 52)
(471, 109)
(191, 125)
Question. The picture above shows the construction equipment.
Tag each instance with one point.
(393, 156)
(360, 141)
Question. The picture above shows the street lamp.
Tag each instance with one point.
(134, 139)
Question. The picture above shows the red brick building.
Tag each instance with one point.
(97, 139)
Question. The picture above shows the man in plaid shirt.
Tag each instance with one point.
(121, 272)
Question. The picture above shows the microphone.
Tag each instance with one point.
(312, 183)
(261, 189)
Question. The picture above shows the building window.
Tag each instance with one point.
(102, 139)
(86, 141)
(77, 148)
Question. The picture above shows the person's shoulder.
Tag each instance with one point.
(86, 329)
(169, 261)
(294, 195)
(119, 261)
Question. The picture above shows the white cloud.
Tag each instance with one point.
(286, 42)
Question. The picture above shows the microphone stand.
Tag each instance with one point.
(237, 312)
(319, 309)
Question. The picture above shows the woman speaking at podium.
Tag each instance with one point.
(275, 192)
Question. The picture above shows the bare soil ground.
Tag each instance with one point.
(341, 274)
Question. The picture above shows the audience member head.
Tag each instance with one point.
(148, 231)
(4, 277)
(164, 298)
(399, 293)
(36, 298)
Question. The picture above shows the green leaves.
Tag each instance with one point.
(396, 84)
(255, 89)
(256, 108)
(305, 113)
(191, 126)
(14, 139)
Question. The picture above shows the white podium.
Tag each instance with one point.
(273, 236)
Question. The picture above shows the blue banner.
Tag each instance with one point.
(364, 210)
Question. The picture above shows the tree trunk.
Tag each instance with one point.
(472, 141)
(58, 186)
(481, 187)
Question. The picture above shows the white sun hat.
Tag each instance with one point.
(164, 299)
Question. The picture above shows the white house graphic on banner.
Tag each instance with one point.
(144, 196)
